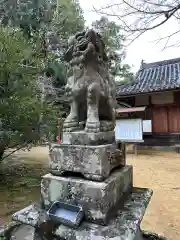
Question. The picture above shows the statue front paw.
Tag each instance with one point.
(93, 127)
(71, 123)
(68, 91)
(70, 126)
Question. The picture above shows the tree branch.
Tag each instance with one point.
(149, 12)
(148, 15)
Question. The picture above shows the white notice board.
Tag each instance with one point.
(129, 130)
(147, 126)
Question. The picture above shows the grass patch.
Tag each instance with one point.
(19, 185)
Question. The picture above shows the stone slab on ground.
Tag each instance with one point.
(22, 232)
(25, 232)
(93, 162)
(85, 138)
(125, 226)
(97, 198)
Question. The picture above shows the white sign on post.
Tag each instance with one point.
(147, 126)
(129, 130)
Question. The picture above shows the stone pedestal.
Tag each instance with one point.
(90, 139)
(89, 170)
(93, 162)
(125, 225)
(98, 199)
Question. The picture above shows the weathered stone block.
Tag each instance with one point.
(94, 162)
(96, 198)
(85, 138)
(125, 225)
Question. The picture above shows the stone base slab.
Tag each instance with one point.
(93, 162)
(84, 138)
(96, 198)
(124, 226)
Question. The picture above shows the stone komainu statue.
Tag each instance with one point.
(90, 90)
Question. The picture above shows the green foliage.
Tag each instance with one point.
(24, 57)
(58, 70)
(50, 122)
(2, 237)
(20, 66)
(125, 75)
(67, 20)
(28, 14)
(62, 17)
(113, 39)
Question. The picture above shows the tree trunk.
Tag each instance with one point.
(2, 149)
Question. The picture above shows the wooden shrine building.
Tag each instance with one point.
(154, 95)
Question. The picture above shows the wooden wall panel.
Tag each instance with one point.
(159, 120)
(148, 113)
(174, 119)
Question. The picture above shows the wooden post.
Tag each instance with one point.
(121, 152)
(58, 134)
(123, 147)
(135, 149)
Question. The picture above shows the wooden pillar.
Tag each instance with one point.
(123, 149)
(135, 149)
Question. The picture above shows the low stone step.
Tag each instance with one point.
(126, 224)
(96, 198)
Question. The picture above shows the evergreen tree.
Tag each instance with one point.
(67, 20)
(20, 66)
(114, 40)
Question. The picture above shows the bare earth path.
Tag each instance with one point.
(19, 186)
(162, 174)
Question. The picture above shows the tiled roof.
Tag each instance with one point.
(152, 77)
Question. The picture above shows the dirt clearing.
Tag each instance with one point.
(160, 172)
(21, 174)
